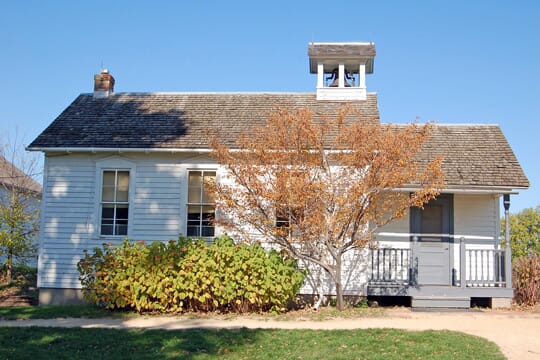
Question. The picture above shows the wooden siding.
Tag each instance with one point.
(70, 216)
(477, 215)
(70, 212)
(67, 219)
(158, 203)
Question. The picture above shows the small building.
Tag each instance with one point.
(15, 182)
(129, 165)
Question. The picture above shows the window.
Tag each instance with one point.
(287, 216)
(282, 218)
(201, 207)
(115, 202)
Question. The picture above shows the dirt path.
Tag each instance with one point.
(517, 333)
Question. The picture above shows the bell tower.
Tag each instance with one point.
(341, 69)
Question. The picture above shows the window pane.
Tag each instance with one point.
(194, 212)
(194, 195)
(432, 216)
(108, 193)
(195, 178)
(121, 230)
(122, 212)
(123, 186)
(193, 231)
(123, 180)
(108, 178)
(107, 211)
(107, 220)
(207, 231)
(121, 227)
(106, 229)
(122, 196)
(208, 214)
(207, 197)
(209, 178)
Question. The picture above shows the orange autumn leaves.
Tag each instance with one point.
(343, 175)
(330, 182)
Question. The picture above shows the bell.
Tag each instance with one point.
(335, 83)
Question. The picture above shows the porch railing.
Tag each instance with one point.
(484, 267)
(473, 268)
(389, 266)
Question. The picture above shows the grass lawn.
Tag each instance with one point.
(76, 343)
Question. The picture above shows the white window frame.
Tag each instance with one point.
(115, 203)
(109, 164)
(200, 204)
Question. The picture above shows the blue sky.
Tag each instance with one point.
(444, 61)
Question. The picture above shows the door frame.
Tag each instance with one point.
(415, 218)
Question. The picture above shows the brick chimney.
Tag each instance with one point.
(103, 84)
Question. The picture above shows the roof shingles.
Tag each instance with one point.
(474, 155)
(178, 121)
(13, 177)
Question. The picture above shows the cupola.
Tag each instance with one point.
(341, 69)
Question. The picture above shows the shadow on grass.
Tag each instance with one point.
(384, 344)
(76, 343)
(53, 311)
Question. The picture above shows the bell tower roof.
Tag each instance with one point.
(350, 53)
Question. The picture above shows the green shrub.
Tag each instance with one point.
(188, 275)
(526, 279)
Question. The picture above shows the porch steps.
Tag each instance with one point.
(441, 302)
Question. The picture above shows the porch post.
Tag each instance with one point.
(508, 250)
(413, 271)
(462, 263)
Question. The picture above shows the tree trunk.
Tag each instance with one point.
(9, 265)
(339, 285)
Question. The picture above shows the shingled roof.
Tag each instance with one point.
(176, 121)
(11, 176)
(474, 155)
(342, 52)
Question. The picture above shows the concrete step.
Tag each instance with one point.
(440, 302)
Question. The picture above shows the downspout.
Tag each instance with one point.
(508, 252)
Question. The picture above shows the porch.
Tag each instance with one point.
(442, 274)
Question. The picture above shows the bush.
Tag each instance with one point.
(188, 275)
(526, 279)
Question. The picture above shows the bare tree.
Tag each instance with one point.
(319, 189)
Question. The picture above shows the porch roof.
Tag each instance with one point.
(474, 156)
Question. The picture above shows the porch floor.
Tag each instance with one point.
(440, 296)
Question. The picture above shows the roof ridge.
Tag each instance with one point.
(213, 93)
(446, 125)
